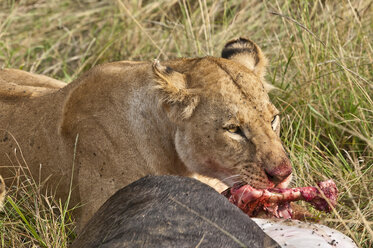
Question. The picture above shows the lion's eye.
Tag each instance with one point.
(235, 130)
(232, 128)
(275, 122)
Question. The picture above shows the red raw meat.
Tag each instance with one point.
(275, 201)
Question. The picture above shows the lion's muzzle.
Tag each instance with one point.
(280, 173)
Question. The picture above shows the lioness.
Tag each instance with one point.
(204, 117)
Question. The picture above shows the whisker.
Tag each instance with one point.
(236, 175)
(226, 178)
(243, 192)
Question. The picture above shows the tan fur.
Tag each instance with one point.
(129, 120)
(20, 84)
(2, 193)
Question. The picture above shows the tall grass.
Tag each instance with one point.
(321, 59)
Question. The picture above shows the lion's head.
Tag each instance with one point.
(227, 128)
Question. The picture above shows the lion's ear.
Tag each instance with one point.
(247, 53)
(178, 101)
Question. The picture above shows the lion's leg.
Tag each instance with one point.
(94, 190)
(2, 192)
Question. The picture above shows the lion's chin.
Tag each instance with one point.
(285, 183)
(282, 185)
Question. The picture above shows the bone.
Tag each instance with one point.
(275, 201)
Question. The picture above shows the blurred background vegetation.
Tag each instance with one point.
(321, 61)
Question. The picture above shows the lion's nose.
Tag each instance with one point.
(280, 172)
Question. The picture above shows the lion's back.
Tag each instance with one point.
(16, 85)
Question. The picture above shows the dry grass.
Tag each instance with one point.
(321, 57)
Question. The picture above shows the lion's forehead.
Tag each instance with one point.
(233, 88)
(241, 113)
(252, 113)
(234, 82)
(240, 105)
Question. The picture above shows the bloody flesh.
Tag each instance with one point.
(275, 201)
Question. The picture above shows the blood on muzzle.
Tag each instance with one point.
(280, 172)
